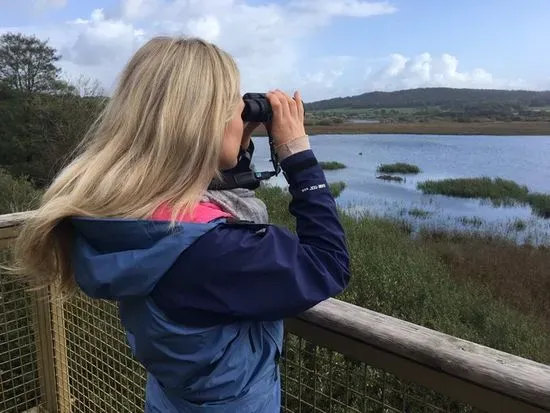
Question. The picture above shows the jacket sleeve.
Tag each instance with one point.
(263, 272)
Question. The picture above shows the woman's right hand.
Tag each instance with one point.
(287, 123)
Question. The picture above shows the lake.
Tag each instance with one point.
(524, 159)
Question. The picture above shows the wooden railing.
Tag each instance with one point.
(482, 377)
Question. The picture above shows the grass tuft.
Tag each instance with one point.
(499, 191)
(398, 168)
(332, 165)
(336, 188)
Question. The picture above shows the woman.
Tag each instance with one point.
(201, 294)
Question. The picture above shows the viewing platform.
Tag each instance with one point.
(337, 358)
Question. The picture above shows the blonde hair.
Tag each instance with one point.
(159, 139)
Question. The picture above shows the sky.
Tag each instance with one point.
(324, 48)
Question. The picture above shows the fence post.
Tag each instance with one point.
(52, 358)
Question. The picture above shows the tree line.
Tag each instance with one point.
(444, 98)
(42, 116)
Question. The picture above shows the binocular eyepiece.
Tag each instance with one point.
(256, 108)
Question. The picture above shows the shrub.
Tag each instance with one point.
(399, 167)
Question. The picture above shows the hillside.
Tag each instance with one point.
(445, 98)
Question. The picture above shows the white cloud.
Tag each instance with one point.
(425, 70)
(101, 41)
(269, 41)
(138, 9)
(207, 27)
(349, 8)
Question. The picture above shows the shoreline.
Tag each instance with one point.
(434, 128)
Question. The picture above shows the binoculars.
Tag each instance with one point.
(256, 109)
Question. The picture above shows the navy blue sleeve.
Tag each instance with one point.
(263, 272)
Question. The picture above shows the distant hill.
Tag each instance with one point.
(446, 98)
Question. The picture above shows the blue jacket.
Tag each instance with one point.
(203, 304)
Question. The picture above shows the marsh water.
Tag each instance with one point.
(523, 159)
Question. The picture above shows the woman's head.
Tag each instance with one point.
(174, 104)
(171, 124)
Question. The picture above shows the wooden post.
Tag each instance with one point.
(51, 345)
(60, 356)
(51, 340)
(44, 348)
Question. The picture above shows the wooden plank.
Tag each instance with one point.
(45, 351)
(15, 219)
(498, 372)
(8, 236)
(9, 227)
(61, 358)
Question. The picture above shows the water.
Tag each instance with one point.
(523, 159)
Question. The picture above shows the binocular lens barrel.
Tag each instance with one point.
(256, 108)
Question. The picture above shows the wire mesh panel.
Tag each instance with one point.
(101, 373)
(319, 380)
(19, 374)
(95, 371)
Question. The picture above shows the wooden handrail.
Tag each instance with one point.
(9, 226)
(481, 376)
(14, 219)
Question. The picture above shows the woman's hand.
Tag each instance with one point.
(288, 117)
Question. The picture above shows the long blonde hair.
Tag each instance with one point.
(158, 140)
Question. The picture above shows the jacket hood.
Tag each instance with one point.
(121, 258)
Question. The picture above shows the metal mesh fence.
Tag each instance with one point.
(20, 388)
(319, 380)
(95, 371)
(100, 372)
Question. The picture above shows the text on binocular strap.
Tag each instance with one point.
(314, 187)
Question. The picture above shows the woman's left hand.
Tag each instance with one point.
(249, 127)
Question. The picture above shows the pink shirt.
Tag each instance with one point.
(204, 212)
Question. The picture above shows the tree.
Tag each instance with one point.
(27, 64)
(38, 135)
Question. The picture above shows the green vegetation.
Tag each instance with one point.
(332, 165)
(16, 195)
(336, 188)
(431, 281)
(473, 221)
(434, 97)
(518, 225)
(499, 191)
(42, 118)
(398, 168)
(521, 128)
(434, 104)
(540, 203)
(419, 213)
(391, 178)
